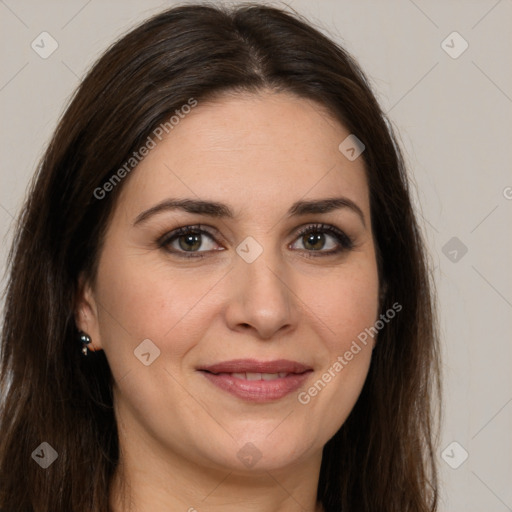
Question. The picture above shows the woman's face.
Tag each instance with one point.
(267, 310)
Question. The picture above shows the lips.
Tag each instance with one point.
(254, 366)
(257, 381)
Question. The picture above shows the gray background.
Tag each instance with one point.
(453, 115)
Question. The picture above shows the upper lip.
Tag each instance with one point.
(255, 366)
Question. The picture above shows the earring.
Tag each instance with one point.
(85, 339)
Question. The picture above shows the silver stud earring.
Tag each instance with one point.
(85, 339)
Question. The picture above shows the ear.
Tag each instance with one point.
(86, 313)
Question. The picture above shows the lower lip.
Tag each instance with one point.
(258, 390)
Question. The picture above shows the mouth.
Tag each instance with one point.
(257, 381)
(256, 376)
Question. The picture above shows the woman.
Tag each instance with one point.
(218, 292)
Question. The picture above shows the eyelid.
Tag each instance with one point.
(202, 229)
(344, 241)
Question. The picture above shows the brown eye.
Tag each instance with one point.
(190, 242)
(314, 241)
(187, 241)
(314, 238)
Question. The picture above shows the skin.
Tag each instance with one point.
(179, 435)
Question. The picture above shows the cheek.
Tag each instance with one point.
(346, 309)
(347, 304)
(149, 301)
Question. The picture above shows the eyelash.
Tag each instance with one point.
(345, 242)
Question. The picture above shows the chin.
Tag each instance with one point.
(263, 452)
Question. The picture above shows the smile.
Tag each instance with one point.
(257, 381)
(257, 376)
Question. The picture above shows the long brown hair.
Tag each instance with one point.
(383, 457)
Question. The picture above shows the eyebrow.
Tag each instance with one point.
(220, 210)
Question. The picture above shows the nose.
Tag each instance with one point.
(262, 298)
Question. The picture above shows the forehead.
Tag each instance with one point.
(259, 149)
